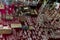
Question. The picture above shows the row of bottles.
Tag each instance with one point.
(16, 11)
(17, 16)
(25, 11)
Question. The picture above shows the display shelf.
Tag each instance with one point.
(21, 22)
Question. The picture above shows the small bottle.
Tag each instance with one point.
(11, 16)
(0, 15)
(7, 15)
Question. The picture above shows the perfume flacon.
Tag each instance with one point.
(0, 15)
(11, 16)
(7, 15)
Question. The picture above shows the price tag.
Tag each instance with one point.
(31, 27)
(1, 6)
(16, 25)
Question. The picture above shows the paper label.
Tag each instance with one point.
(16, 25)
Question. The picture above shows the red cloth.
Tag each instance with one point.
(3, 11)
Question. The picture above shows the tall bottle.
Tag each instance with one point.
(0, 15)
(7, 15)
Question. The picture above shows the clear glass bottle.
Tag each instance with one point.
(0, 15)
(7, 15)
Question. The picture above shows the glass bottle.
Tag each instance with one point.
(7, 15)
(0, 15)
